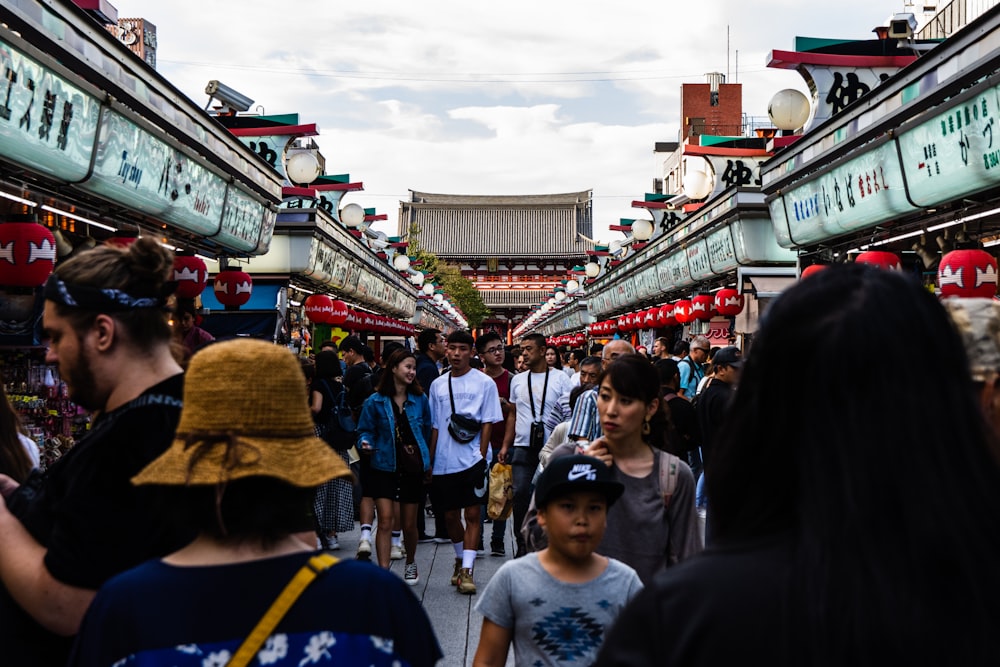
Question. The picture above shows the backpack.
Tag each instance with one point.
(534, 536)
(337, 428)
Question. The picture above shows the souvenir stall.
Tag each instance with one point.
(906, 175)
(96, 147)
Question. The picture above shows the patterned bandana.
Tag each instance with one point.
(105, 300)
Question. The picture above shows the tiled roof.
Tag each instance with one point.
(500, 226)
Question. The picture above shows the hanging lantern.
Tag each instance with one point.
(191, 275)
(27, 254)
(318, 308)
(812, 270)
(338, 315)
(728, 302)
(667, 315)
(649, 318)
(880, 258)
(351, 321)
(233, 288)
(968, 274)
(702, 307)
(682, 311)
(622, 323)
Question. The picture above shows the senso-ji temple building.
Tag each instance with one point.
(514, 248)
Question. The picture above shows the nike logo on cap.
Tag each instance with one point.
(581, 471)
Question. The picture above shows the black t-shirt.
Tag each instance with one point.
(685, 422)
(358, 380)
(712, 409)
(93, 522)
(724, 607)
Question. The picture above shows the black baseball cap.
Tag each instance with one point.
(728, 356)
(577, 472)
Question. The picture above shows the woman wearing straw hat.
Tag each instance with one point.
(245, 467)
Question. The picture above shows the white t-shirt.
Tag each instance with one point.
(556, 408)
(32, 448)
(475, 396)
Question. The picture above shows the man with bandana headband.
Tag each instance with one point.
(67, 530)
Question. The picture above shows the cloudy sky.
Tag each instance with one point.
(476, 98)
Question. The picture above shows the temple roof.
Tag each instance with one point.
(502, 226)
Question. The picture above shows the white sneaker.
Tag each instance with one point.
(364, 550)
(396, 553)
(334, 544)
(410, 574)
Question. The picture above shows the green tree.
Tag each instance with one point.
(461, 291)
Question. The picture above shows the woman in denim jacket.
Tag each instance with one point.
(400, 460)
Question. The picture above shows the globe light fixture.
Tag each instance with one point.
(438, 297)
(303, 167)
(401, 262)
(699, 181)
(560, 296)
(642, 229)
(428, 289)
(572, 285)
(788, 109)
(592, 269)
(352, 215)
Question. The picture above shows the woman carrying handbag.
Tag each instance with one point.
(395, 426)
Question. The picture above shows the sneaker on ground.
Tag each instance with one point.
(410, 574)
(497, 550)
(334, 545)
(465, 584)
(396, 552)
(364, 550)
(442, 540)
(457, 572)
(425, 539)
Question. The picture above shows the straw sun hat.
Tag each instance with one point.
(245, 414)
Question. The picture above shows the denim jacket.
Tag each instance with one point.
(377, 425)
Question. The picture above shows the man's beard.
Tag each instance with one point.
(83, 384)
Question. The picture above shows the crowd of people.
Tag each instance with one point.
(687, 506)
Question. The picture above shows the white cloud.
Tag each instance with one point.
(514, 97)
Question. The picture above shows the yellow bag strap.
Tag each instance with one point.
(305, 576)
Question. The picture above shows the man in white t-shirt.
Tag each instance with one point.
(458, 450)
(540, 398)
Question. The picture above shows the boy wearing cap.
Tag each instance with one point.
(555, 604)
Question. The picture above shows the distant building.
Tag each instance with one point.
(514, 248)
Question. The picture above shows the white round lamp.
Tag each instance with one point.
(788, 109)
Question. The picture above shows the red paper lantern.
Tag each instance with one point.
(649, 318)
(667, 315)
(318, 308)
(233, 288)
(351, 321)
(339, 313)
(191, 275)
(682, 311)
(880, 258)
(622, 323)
(635, 321)
(702, 307)
(728, 302)
(812, 269)
(27, 254)
(968, 274)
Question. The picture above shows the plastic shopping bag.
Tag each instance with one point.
(501, 500)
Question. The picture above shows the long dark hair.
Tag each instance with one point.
(14, 460)
(386, 381)
(868, 448)
(558, 365)
(632, 375)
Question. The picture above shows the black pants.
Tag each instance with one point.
(524, 463)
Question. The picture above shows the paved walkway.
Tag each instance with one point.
(453, 615)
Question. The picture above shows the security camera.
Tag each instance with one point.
(233, 99)
(902, 26)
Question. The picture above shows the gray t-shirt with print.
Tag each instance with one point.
(554, 622)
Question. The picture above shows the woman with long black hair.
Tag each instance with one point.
(395, 426)
(18, 452)
(856, 510)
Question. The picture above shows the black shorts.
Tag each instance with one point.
(406, 488)
(458, 490)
